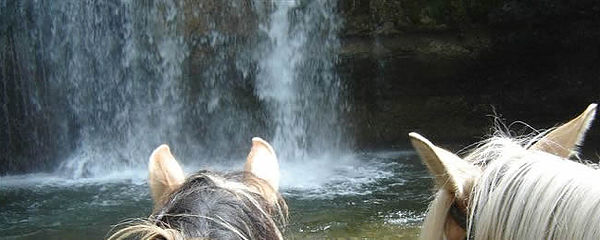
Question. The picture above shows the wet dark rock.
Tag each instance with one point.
(442, 68)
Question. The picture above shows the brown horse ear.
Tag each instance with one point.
(450, 171)
(165, 174)
(563, 141)
(262, 162)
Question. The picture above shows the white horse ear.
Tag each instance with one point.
(165, 174)
(451, 172)
(563, 141)
(262, 162)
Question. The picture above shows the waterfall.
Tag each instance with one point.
(297, 80)
(90, 88)
(104, 79)
(124, 66)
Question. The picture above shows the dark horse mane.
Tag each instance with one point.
(212, 205)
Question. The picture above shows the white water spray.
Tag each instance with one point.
(297, 81)
(121, 68)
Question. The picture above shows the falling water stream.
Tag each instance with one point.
(102, 83)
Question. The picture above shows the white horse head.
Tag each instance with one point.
(514, 188)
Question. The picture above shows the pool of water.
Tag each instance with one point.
(378, 195)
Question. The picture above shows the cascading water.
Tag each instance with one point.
(297, 82)
(111, 68)
(296, 78)
(116, 78)
(126, 78)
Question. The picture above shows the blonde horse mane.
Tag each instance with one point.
(515, 187)
(525, 194)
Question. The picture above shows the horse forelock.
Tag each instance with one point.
(216, 206)
(523, 194)
(527, 194)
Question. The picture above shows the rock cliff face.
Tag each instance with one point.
(440, 67)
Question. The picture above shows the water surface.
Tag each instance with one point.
(379, 195)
